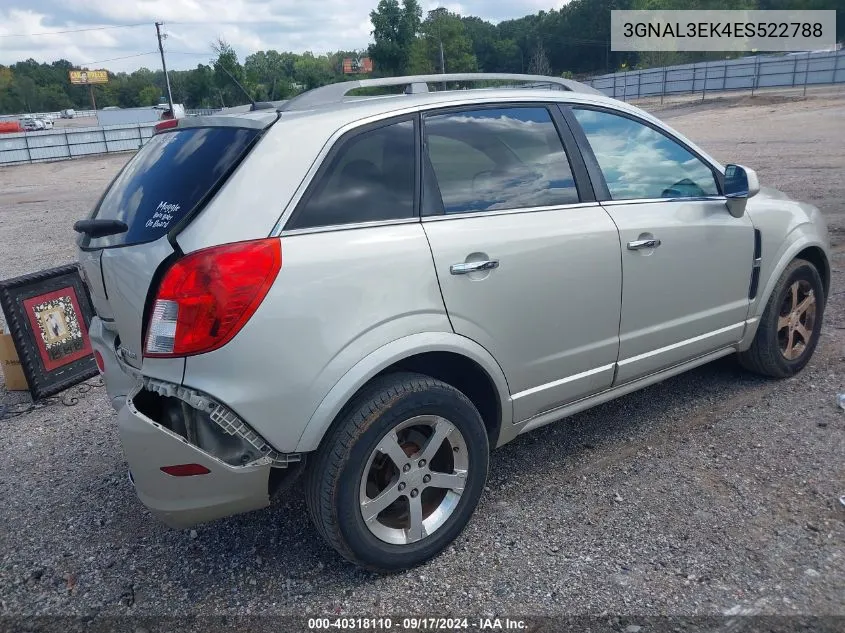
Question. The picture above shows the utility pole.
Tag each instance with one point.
(164, 68)
(442, 63)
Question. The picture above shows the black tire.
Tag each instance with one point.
(765, 355)
(334, 474)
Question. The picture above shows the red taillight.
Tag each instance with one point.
(185, 470)
(166, 125)
(98, 358)
(206, 297)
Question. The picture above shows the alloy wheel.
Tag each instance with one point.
(796, 320)
(413, 480)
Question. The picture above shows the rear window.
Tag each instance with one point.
(166, 179)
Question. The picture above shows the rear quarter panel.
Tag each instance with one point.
(260, 188)
(339, 296)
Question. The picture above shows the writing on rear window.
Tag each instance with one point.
(171, 176)
(163, 215)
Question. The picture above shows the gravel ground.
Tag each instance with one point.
(714, 492)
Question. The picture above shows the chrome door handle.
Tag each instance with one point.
(638, 244)
(472, 267)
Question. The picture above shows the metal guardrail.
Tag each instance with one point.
(795, 70)
(72, 142)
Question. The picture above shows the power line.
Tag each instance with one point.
(93, 28)
(114, 59)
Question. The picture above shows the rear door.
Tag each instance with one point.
(161, 187)
(528, 262)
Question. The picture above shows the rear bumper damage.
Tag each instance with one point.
(163, 425)
(119, 378)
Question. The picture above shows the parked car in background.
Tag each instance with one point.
(68, 113)
(31, 124)
(379, 291)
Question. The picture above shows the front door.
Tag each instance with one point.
(527, 268)
(686, 261)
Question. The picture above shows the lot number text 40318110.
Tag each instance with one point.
(417, 624)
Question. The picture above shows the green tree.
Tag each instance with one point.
(200, 91)
(148, 96)
(6, 78)
(53, 98)
(25, 90)
(227, 60)
(539, 64)
(312, 72)
(442, 27)
(493, 52)
(395, 28)
(270, 74)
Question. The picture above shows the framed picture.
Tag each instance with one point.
(48, 314)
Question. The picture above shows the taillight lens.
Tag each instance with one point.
(206, 297)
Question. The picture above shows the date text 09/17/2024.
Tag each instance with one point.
(417, 624)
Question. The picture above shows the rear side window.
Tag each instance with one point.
(166, 179)
(369, 178)
(499, 158)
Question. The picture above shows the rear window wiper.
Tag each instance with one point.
(100, 228)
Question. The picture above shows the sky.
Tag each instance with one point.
(191, 25)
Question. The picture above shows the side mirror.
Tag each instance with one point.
(740, 184)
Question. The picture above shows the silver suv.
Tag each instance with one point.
(376, 291)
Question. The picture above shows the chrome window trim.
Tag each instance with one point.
(475, 214)
(431, 218)
(719, 198)
(331, 228)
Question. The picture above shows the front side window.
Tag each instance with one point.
(498, 158)
(370, 178)
(639, 162)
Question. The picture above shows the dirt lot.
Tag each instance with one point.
(711, 493)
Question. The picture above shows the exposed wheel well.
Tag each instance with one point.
(464, 375)
(817, 258)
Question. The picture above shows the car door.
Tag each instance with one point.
(528, 262)
(686, 261)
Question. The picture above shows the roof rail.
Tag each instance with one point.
(415, 84)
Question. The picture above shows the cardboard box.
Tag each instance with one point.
(12, 370)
